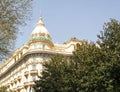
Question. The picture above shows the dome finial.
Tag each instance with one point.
(40, 23)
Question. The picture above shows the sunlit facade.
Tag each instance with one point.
(23, 67)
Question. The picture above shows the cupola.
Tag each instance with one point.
(40, 34)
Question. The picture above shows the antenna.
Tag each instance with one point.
(40, 13)
(40, 9)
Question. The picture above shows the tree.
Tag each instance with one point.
(13, 14)
(109, 40)
(102, 64)
(76, 74)
(55, 76)
(92, 68)
(3, 89)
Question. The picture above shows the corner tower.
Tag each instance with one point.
(41, 35)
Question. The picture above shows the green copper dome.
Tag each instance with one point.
(40, 33)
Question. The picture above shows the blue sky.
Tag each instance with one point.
(66, 19)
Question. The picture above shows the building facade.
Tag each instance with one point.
(23, 67)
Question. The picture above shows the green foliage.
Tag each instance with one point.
(92, 68)
(109, 37)
(110, 43)
(76, 74)
(13, 14)
(91, 62)
(55, 76)
(3, 89)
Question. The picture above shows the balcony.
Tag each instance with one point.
(32, 72)
(28, 83)
(18, 88)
